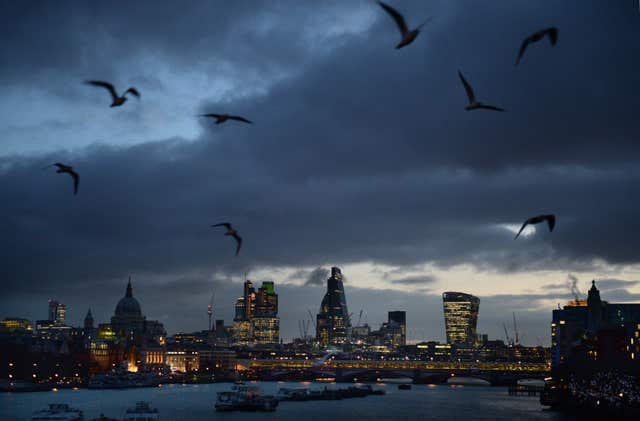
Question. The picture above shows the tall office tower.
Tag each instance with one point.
(249, 300)
(265, 322)
(460, 317)
(332, 322)
(398, 328)
(57, 312)
(245, 310)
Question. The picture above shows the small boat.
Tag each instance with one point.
(404, 387)
(58, 412)
(141, 412)
(245, 398)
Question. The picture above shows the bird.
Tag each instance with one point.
(552, 33)
(62, 168)
(408, 36)
(221, 118)
(232, 232)
(551, 220)
(116, 100)
(473, 103)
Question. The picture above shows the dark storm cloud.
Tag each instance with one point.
(361, 154)
(614, 284)
(318, 276)
(414, 280)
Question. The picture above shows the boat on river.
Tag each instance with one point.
(58, 412)
(245, 398)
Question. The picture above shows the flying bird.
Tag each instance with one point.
(551, 220)
(408, 36)
(232, 232)
(116, 100)
(62, 168)
(221, 118)
(552, 33)
(473, 103)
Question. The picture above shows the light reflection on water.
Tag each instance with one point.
(195, 402)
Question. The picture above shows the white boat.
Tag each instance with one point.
(467, 381)
(58, 412)
(142, 412)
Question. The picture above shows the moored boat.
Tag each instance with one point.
(58, 412)
(141, 412)
(245, 398)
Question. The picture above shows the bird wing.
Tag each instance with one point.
(397, 17)
(523, 47)
(467, 88)
(105, 85)
(491, 107)
(134, 91)
(76, 180)
(239, 241)
(223, 224)
(239, 118)
(523, 227)
(551, 220)
(210, 115)
(553, 35)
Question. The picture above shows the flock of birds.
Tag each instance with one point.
(408, 36)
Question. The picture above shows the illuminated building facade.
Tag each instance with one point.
(460, 317)
(57, 312)
(398, 328)
(265, 323)
(11, 324)
(332, 322)
(256, 320)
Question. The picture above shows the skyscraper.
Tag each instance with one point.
(460, 317)
(256, 319)
(265, 323)
(398, 328)
(57, 312)
(332, 321)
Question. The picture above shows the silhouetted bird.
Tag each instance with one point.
(551, 220)
(473, 103)
(408, 36)
(221, 118)
(116, 100)
(537, 36)
(62, 168)
(232, 232)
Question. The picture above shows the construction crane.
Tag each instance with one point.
(515, 328)
(210, 307)
(506, 334)
(311, 318)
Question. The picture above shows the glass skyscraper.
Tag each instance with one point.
(332, 321)
(460, 317)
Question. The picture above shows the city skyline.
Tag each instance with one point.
(535, 331)
(406, 192)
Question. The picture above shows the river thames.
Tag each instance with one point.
(195, 402)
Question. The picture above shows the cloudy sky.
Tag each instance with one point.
(361, 156)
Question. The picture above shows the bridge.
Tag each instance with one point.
(372, 370)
